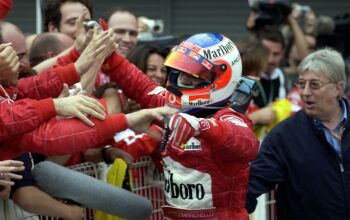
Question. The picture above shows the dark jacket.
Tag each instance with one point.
(311, 182)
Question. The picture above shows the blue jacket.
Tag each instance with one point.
(313, 182)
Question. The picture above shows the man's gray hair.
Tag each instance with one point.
(326, 62)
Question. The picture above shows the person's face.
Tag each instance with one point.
(70, 12)
(275, 55)
(11, 34)
(188, 80)
(64, 43)
(310, 22)
(156, 70)
(318, 94)
(125, 28)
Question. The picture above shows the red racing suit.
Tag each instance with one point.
(60, 137)
(18, 117)
(136, 144)
(35, 133)
(24, 115)
(31, 103)
(211, 172)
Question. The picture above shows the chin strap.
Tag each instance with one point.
(174, 90)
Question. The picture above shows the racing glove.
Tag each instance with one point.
(182, 127)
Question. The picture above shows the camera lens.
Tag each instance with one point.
(156, 28)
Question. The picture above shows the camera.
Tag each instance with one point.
(149, 29)
(271, 12)
(304, 9)
(154, 26)
(91, 24)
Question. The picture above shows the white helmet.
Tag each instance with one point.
(209, 56)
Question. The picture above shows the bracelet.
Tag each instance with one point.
(105, 158)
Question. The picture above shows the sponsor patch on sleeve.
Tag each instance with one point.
(204, 124)
(156, 91)
(234, 119)
(123, 134)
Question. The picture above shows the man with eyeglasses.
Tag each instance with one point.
(308, 154)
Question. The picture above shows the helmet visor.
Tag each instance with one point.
(188, 61)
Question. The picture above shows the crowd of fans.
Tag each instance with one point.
(79, 93)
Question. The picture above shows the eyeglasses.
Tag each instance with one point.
(313, 84)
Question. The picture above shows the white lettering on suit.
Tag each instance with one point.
(185, 187)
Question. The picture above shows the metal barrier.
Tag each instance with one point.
(148, 182)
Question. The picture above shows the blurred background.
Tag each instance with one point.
(178, 16)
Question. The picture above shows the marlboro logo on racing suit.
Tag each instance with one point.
(185, 191)
(192, 144)
(184, 186)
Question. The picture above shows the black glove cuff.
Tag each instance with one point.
(105, 158)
